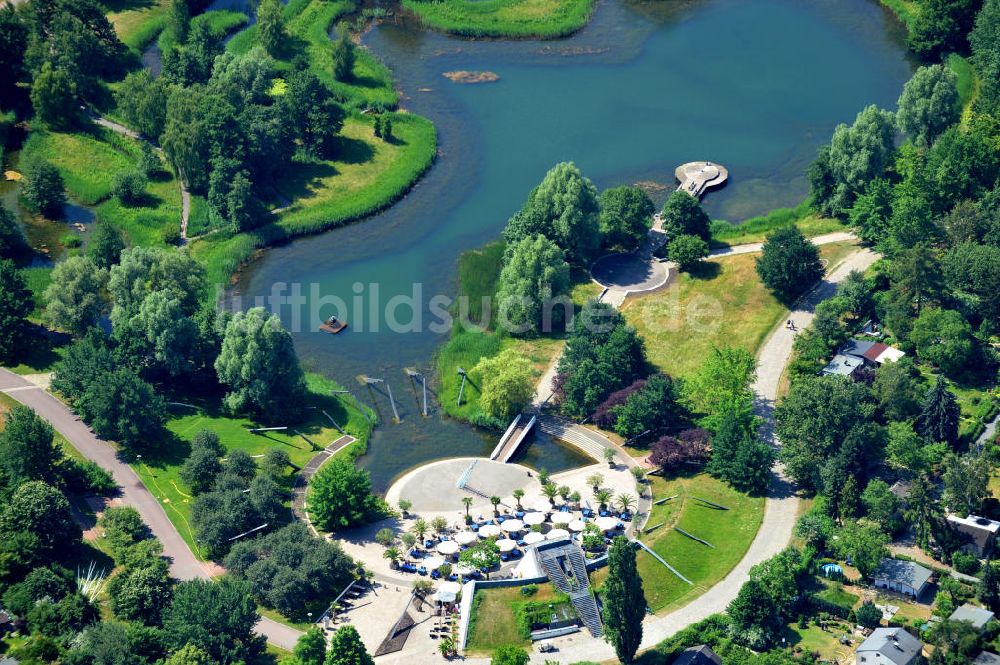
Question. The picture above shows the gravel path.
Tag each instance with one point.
(183, 563)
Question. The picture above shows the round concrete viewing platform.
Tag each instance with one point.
(697, 177)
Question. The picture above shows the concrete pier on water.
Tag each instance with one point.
(696, 178)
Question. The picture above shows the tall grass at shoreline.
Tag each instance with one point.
(504, 18)
(755, 229)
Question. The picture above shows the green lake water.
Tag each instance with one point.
(756, 85)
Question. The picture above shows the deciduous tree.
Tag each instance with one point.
(43, 188)
(682, 215)
(15, 306)
(533, 286)
(259, 366)
(506, 384)
(789, 264)
(626, 216)
(341, 496)
(74, 299)
(928, 104)
(346, 648)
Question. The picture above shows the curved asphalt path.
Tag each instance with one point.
(183, 563)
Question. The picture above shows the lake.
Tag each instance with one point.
(756, 85)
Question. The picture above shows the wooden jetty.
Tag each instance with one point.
(696, 178)
(512, 439)
(333, 325)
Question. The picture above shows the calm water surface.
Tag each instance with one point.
(756, 85)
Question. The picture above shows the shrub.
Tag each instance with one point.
(687, 250)
(87, 476)
(70, 240)
(965, 563)
(129, 187)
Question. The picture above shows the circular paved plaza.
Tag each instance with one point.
(629, 272)
(434, 488)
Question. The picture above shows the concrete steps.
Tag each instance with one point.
(574, 434)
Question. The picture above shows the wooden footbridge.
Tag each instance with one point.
(696, 178)
(512, 439)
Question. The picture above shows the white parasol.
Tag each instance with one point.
(489, 531)
(577, 525)
(542, 505)
(533, 537)
(606, 523)
(447, 547)
(433, 562)
(466, 537)
(531, 519)
(562, 518)
(448, 592)
(512, 526)
(556, 534)
(506, 545)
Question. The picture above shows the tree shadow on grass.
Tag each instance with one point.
(353, 151)
(302, 179)
(80, 554)
(395, 141)
(125, 5)
(705, 270)
(367, 82)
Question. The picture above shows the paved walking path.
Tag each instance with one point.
(750, 248)
(183, 563)
(989, 433)
(301, 486)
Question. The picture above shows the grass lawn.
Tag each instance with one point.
(42, 354)
(137, 22)
(836, 594)
(369, 175)
(724, 303)
(493, 622)
(756, 228)
(220, 22)
(38, 279)
(730, 531)
(161, 473)
(89, 162)
(503, 18)
(968, 82)
(815, 640)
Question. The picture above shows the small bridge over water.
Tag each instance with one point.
(512, 439)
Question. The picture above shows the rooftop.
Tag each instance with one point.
(843, 365)
(905, 572)
(699, 655)
(975, 522)
(987, 658)
(891, 645)
(977, 616)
